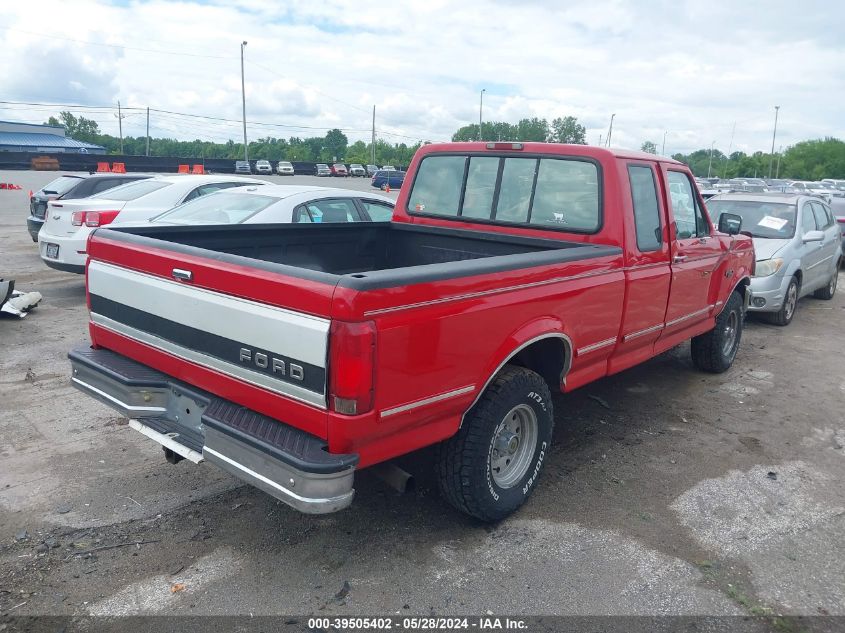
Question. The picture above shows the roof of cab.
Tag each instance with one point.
(548, 148)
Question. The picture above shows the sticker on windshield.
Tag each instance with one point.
(770, 222)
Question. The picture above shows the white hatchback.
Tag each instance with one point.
(62, 240)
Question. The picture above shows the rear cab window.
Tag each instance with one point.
(544, 192)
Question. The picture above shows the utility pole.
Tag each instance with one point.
(480, 108)
(120, 126)
(730, 147)
(243, 100)
(610, 131)
(148, 130)
(599, 139)
(774, 135)
(663, 149)
(710, 163)
(373, 145)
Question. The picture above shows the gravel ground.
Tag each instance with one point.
(668, 492)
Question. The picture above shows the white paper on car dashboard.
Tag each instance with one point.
(770, 222)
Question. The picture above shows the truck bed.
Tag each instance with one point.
(362, 255)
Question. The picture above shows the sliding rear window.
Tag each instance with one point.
(544, 193)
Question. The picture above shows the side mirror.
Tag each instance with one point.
(813, 236)
(730, 223)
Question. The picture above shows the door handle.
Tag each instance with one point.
(184, 275)
(679, 259)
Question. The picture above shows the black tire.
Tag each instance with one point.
(715, 351)
(467, 476)
(830, 289)
(783, 317)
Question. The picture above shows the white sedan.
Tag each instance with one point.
(68, 223)
(280, 204)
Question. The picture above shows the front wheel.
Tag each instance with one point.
(787, 309)
(490, 466)
(715, 351)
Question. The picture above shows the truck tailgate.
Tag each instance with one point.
(241, 342)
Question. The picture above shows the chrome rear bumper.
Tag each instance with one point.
(283, 461)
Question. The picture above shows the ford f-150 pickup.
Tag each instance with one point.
(292, 356)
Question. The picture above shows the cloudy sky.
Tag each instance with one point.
(691, 68)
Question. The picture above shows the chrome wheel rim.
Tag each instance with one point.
(833, 281)
(513, 446)
(791, 298)
(729, 333)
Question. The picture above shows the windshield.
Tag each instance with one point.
(774, 220)
(135, 190)
(61, 185)
(224, 207)
(284, 163)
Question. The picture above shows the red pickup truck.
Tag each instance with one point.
(293, 355)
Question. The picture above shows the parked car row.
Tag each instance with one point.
(285, 168)
(68, 217)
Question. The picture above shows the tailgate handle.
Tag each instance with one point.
(184, 275)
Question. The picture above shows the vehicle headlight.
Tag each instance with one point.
(767, 267)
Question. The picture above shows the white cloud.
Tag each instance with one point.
(685, 67)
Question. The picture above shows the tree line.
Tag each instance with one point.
(560, 130)
(334, 146)
(807, 160)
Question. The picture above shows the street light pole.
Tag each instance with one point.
(480, 110)
(710, 164)
(663, 149)
(774, 135)
(610, 131)
(243, 99)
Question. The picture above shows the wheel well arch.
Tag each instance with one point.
(550, 355)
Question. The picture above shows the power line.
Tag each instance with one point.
(211, 119)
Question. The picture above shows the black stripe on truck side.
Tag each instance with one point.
(261, 361)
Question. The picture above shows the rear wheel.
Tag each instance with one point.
(715, 351)
(790, 302)
(830, 289)
(489, 467)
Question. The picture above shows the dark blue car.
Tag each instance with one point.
(381, 179)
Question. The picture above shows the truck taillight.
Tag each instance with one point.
(351, 366)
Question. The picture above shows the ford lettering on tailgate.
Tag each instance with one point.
(274, 348)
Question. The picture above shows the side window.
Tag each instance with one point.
(689, 217)
(646, 208)
(336, 210)
(808, 221)
(300, 216)
(820, 215)
(378, 211)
